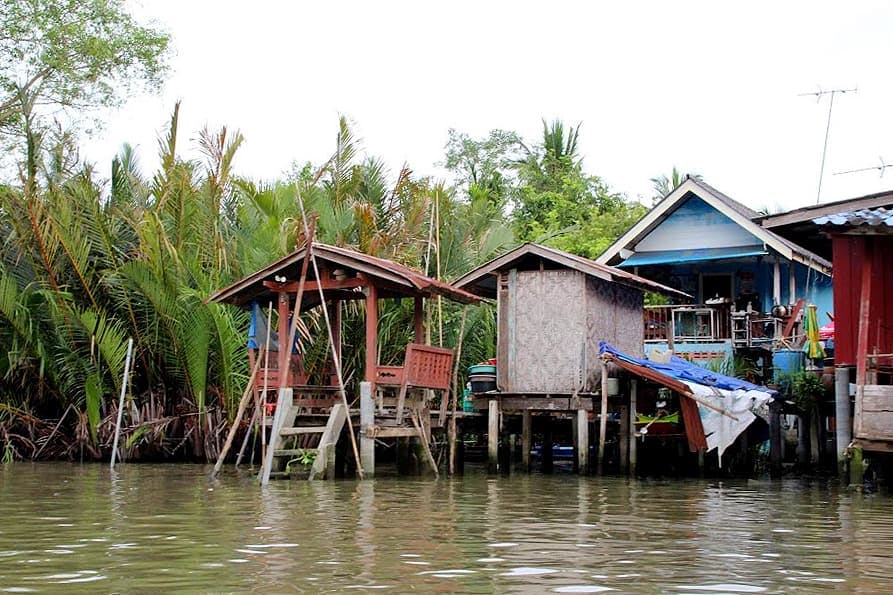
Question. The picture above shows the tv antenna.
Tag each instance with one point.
(818, 95)
(882, 167)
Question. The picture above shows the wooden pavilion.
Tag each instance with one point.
(394, 400)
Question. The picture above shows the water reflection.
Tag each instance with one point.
(159, 528)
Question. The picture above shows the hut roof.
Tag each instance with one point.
(392, 279)
(530, 256)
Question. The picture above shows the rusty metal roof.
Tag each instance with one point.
(880, 219)
(397, 280)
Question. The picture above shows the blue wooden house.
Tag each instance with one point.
(746, 279)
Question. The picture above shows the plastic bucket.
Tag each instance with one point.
(786, 362)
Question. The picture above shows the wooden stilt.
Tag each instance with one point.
(493, 435)
(624, 438)
(367, 421)
(843, 420)
(603, 418)
(423, 438)
(526, 443)
(455, 392)
(582, 441)
(633, 445)
(775, 439)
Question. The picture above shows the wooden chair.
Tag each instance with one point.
(424, 367)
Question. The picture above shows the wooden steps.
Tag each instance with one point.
(284, 433)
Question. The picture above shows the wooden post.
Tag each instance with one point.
(862, 336)
(775, 438)
(336, 327)
(776, 281)
(371, 334)
(633, 445)
(843, 421)
(792, 283)
(582, 441)
(603, 418)
(367, 421)
(526, 426)
(282, 331)
(624, 438)
(418, 319)
(493, 435)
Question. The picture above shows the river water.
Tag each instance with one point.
(163, 528)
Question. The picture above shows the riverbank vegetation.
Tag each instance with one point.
(93, 256)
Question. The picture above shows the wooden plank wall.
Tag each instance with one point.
(850, 253)
(876, 421)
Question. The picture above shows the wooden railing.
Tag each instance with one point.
(698, 322)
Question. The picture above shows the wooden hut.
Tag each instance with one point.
(341, 275)
(553, 309)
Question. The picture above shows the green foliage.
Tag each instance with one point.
(305, 457)
(664, 184)
(807, 390)
(74, 54)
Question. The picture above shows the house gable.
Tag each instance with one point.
(695, 224)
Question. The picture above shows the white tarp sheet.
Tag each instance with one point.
(721, 430)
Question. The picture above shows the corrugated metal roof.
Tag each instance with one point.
(879, 217)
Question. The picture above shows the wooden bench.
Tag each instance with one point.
(424, 367)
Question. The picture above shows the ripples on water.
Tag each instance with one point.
(163, 528)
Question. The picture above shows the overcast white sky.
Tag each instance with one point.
(705, 86)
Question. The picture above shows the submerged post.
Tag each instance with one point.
(633, 445)
(367, 421)
(493, 435)
(582, 441)
(526, 426)
(603, 418)
(843, 419)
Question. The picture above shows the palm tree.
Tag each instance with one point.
(663, 184)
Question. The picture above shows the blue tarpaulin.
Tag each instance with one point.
(684, 370)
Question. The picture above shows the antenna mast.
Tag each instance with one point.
(818, 95)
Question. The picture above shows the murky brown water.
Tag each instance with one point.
(165, 528)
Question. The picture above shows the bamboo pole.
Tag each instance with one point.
(243, 404)
(424, 438)
(121, 400)
(452, 430)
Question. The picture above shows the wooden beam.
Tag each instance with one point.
(314, 285)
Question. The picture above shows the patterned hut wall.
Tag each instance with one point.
(615, 315)
(547, 346)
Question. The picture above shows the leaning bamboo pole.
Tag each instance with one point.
(455, 396)
(243, 405)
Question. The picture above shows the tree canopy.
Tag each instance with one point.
(77, 54)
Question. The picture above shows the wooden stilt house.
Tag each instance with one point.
(553, 309)
(397, 398)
